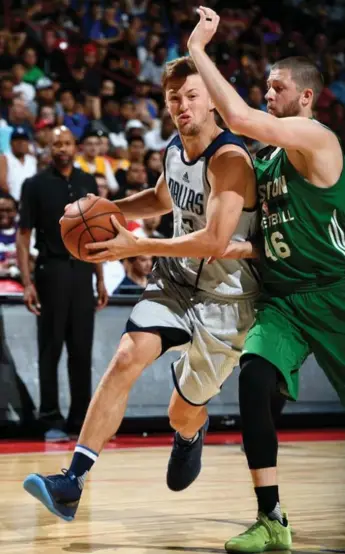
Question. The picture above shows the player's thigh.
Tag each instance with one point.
(162, 309)
(331, 359)
(323, 322)
(276, 337)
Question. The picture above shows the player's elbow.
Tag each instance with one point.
(237, 121)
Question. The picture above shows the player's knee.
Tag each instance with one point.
(126, 364)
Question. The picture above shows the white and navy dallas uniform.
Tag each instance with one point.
(206, 308)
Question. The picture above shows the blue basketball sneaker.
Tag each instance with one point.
(184, 464)
(59, 493)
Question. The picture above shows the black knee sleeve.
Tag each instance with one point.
(258, 389)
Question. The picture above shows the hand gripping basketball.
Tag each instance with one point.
(88, 220)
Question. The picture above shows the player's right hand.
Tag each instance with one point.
(31, 300)
(205, 29)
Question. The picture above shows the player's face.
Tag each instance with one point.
(283, 97)
(189, 104)
(63, 147)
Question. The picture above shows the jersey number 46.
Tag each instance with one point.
(281, 249)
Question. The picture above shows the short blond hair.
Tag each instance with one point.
(180, 68)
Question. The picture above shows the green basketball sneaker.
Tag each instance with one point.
(265, 534)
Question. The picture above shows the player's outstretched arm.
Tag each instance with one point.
(296, 133)
(148, 203)
(229, 173)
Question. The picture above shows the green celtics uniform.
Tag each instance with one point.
(302, 309)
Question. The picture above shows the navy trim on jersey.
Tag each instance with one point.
(226, 137)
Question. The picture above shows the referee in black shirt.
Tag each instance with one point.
(62, 295)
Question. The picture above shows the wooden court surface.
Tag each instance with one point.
(126, 507)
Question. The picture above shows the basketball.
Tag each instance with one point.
(88, 220)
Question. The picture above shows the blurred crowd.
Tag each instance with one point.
(95, 66)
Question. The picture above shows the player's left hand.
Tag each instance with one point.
(205, 29)
(124, 245)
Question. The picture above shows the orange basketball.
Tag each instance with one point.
(88, 220)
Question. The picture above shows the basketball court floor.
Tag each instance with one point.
(126, 507)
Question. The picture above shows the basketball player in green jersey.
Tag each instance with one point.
(301, 180)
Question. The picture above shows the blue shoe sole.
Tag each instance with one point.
(35, 486)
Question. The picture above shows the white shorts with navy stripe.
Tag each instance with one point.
(213, 331)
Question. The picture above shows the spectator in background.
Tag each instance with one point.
(43, 136)
(154, 166)
(92, 16)
(20, 116)
(26, 91)
(6, 96)
(256, 99)
(180, 49)
(51, 58)
(134, 129)
(137, 271)
(33, 72)
(45, 96)
(91, 162)
(6, 59)
(127, 112)
(105, 30)
(146, 108)
(17, 165)
(110, 119)
(8, 229)
(108, 88)
(136, 149)
(146, 51)
(46, 114)
(73, 119)
(75, 80)
(153, 68)
(135, 180)
(135, 153)
(102, 185)
(137, 7)
(159, 138)
(92, 78)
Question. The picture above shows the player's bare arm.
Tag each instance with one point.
(229, 174)
(313, 149)
(148, 203)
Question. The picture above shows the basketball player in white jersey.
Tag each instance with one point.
(209, 184)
